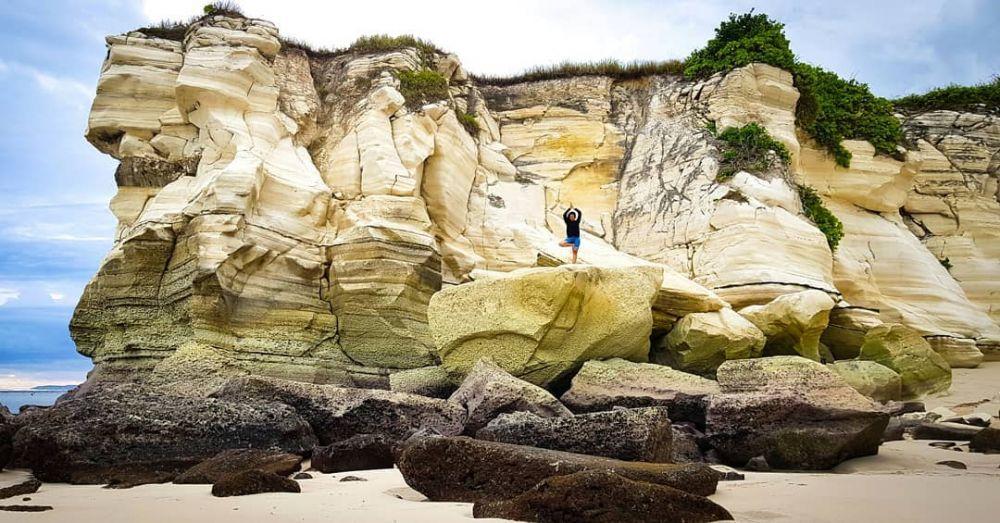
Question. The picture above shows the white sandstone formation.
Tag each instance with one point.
(290, 213)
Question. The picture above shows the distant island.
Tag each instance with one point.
(53, 387)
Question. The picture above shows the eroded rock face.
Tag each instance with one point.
(625, 434)
(337, 413)
(469, 470)
(793, 323)
(871, 379)
(542, 324)
(131, 435)
(239, 460)
(794, 412)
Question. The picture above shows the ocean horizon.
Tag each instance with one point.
(15, 399)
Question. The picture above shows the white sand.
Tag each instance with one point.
(902, 483)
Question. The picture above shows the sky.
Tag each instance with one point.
(55, 225)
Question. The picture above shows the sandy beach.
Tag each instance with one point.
(903, 483)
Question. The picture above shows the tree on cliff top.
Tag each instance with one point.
(830, 108)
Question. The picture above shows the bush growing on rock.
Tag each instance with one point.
(826, 221)
(971, 98)
(749, 148)
(422, 87)
(741, 40)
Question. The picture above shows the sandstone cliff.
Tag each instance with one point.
(291, 214)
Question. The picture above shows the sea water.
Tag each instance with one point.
(14, 399)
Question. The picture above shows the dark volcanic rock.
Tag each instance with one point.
(987, 441)
(465, 469)
(948, 431)
(602, 496)
(25, 487)
(238, 460)
(253, 482)
(361, 452)
(489, 391)
(794, 412)
(603, 385)
(7, 430)
(132, 435)
(337, 413)
(953, 464)
(352, 478)
(625, 434)
(898, 426)
(303, 475)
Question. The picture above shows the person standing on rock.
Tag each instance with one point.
(572, 217)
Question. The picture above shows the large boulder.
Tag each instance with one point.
(792, 411)
(793, 323)
(583, 495)
(470, 470)
(874, 380)
(132, 435)
(432, 381)
(253, 481)
(239, 460)
(361, 452)
(626, 434)
(489, 391)
(846, 330)
(602, 385)
(986, 441)
(337, 413)
(921, 370)
(700, 342)
(541, 324)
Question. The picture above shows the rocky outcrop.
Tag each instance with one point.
(7, 430)
(542, 324)
(792, 323)
(603, 385)
(700, 342)
(127, 435)
(239, 460)
(489, 391)
(792, 412)
(336, 413)
(577, 497)
(921, 370)
(361, 452)
(625, 434)
(469, 470)
(871, 379)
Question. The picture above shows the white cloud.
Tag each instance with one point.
(57, 296)
(67, 90)
(19, 380)
(7, 295)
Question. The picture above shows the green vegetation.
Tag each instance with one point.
(468, 120)
(613, 68)
(946, 263)
(956, 98)
(223, 7)
(749, 148)
(826, 222)
(422, 87)
(830, 108)
(742, 40)
(383, 43)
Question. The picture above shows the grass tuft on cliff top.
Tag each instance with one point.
(177, 29)
(749, 148)
(612, 68)
(984, 96)
(830, 108)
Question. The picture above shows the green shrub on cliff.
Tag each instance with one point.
(741, 40)
(985, 96)
(422, 87)
(748, 148)
(830, 108)
(826, 222)
(468, 121)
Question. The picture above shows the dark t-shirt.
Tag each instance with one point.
(573, 227)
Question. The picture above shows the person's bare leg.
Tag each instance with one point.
(574, 255)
